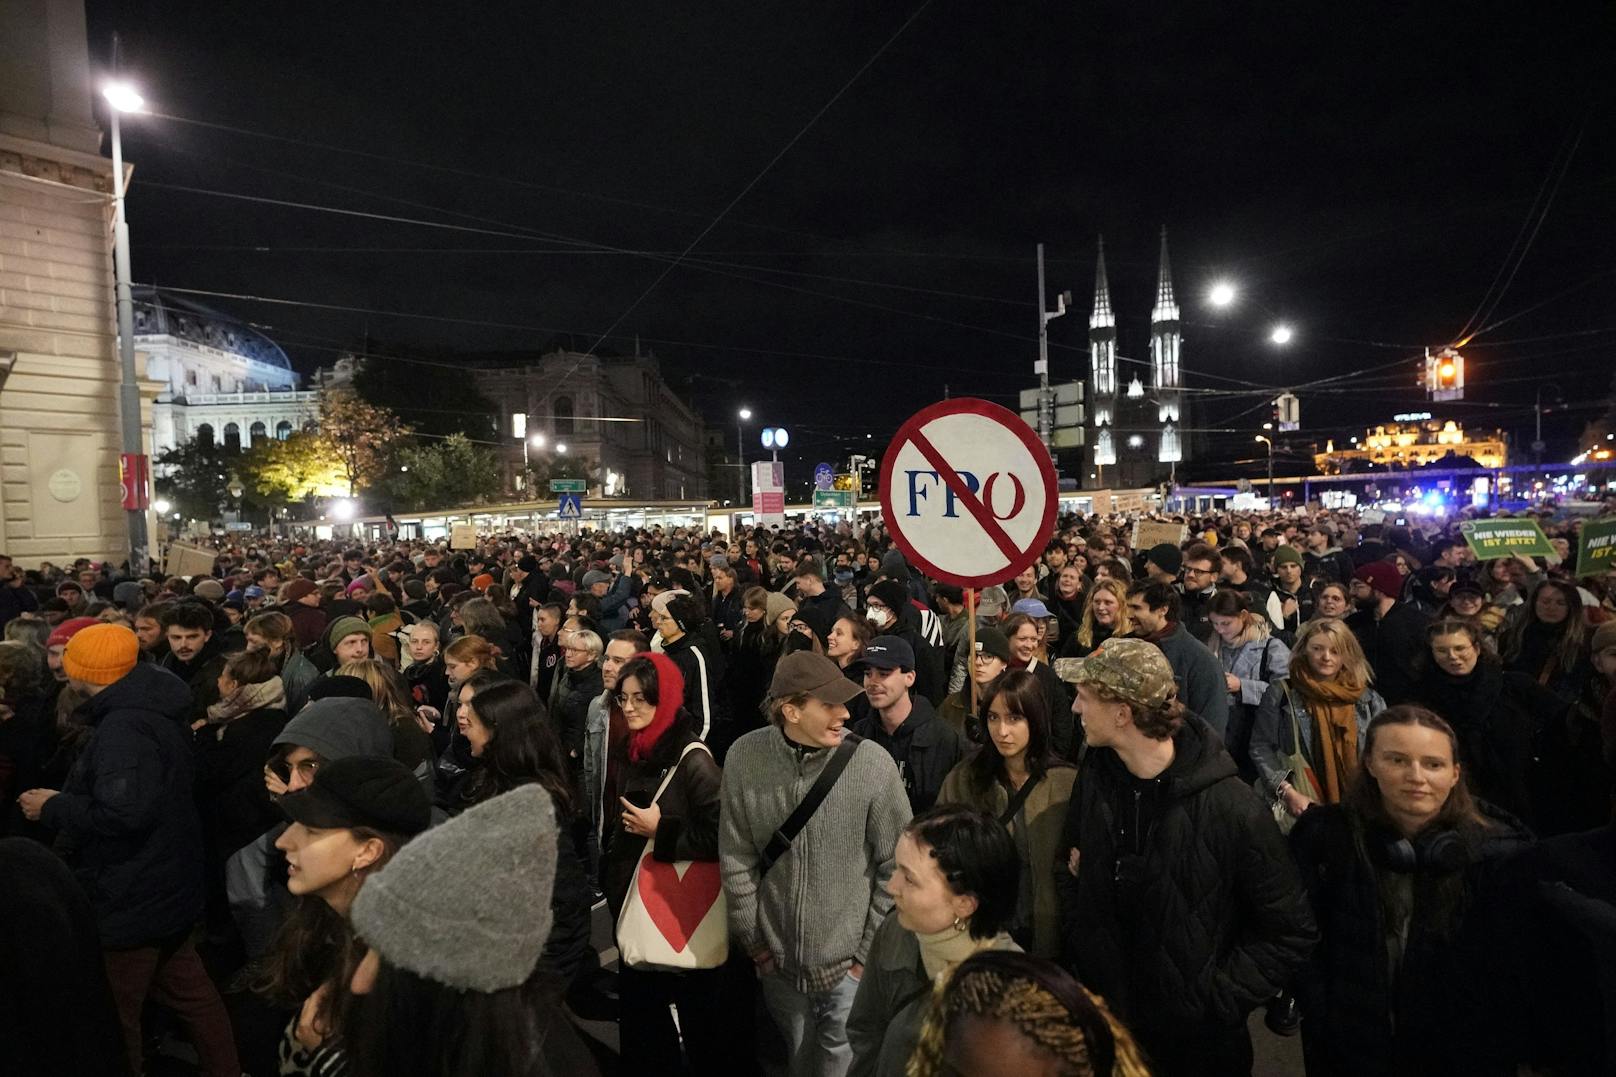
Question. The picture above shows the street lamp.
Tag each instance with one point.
(775, 438)
(537, 441)
(561, 448)
(123, 98)
(740, 455)
(1269, 442)
(1282, 334)
(1222, 294)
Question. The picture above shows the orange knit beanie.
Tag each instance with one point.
(101, 654)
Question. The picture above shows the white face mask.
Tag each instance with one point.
(876, 616)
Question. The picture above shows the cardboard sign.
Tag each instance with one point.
(1148, 533)
(1596, 547)
(187, 560)
(1506, 538)
(1127, 502)
(968, 492)
(463, 537)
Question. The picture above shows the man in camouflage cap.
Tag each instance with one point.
(1130, 671)
(1182, 906)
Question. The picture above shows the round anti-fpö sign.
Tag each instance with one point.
(968, 492)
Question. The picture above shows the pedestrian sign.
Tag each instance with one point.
(568, 486)
(571, 507)
(968, 492)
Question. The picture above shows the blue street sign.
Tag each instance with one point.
(824, 477)
(571, 507)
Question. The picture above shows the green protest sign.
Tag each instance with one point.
(1506, 538)
(1596, 547)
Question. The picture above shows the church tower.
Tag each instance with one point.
(1103, 364)
(1164, 347)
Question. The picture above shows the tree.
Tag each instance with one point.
(444, 474)
(289, 472)
(362, 434)
(199, 483)
(432, 399)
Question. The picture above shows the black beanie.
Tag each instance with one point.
(892, 594)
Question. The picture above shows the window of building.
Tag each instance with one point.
(232, 436)
(204, 435)
(257, 433)
(190, 377)
(562, 409)
(283, 430)
(218, 384)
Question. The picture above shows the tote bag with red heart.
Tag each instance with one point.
(675, 916)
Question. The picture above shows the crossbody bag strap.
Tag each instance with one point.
(667, 778)
(780, 842)
(1018, 800)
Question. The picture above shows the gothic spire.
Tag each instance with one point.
(1102, 316)
(1166, 308)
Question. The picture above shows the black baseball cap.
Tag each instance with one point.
(362, 790)
(887, 652)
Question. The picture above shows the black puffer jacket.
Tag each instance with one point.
(702, 664)
(1447, 1018)
(579, 688)
(1209, 920)
(125, 818)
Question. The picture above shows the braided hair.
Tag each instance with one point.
(1044, 1003)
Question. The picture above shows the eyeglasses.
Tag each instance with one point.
(627, 700)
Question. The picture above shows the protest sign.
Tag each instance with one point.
(1596, 547)
(1506, 538)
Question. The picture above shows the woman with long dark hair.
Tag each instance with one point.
(680, 823)
(953, 893)
(1393, 873)
(358, 812)
(1495, 712)
(1016, 777)
(513, 743)
(1548, 641)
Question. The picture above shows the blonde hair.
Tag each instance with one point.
(1118, 589)
(1354, 666)
(387, 687)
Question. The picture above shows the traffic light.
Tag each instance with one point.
(1444, 375)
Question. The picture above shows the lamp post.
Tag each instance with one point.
(123, 98)
(1269, 442)
(740, 456)
(537, 441)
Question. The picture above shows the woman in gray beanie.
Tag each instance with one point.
(452, 984)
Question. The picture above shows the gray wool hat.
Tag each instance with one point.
(337, 727)
(594, 576)
(467, 904)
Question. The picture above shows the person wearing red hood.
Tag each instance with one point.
(681, 823)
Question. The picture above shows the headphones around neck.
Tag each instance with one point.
(1442, 851)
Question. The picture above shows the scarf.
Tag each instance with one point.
(265, 695)
(943, 950)
(1333, 707)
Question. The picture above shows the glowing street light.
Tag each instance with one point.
(1222, 294)
(741, 417)
(537, 441)
(343, 509)
(1281, 335)
(161, 506)
(123, 97)
(561, 448)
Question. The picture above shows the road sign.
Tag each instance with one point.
(568, 486)
(134, 475)
(968, 492)
(824, 477)
(571, 507)
(833, 500)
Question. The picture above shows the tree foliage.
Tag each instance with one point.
(362, 434)
(199, 484)
(445, 473)
(430, 398)
(293, 471)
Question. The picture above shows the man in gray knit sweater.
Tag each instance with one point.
(809, 922)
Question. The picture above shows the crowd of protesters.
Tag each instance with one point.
(337, 810)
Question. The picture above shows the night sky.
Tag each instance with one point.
(1361, 171)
